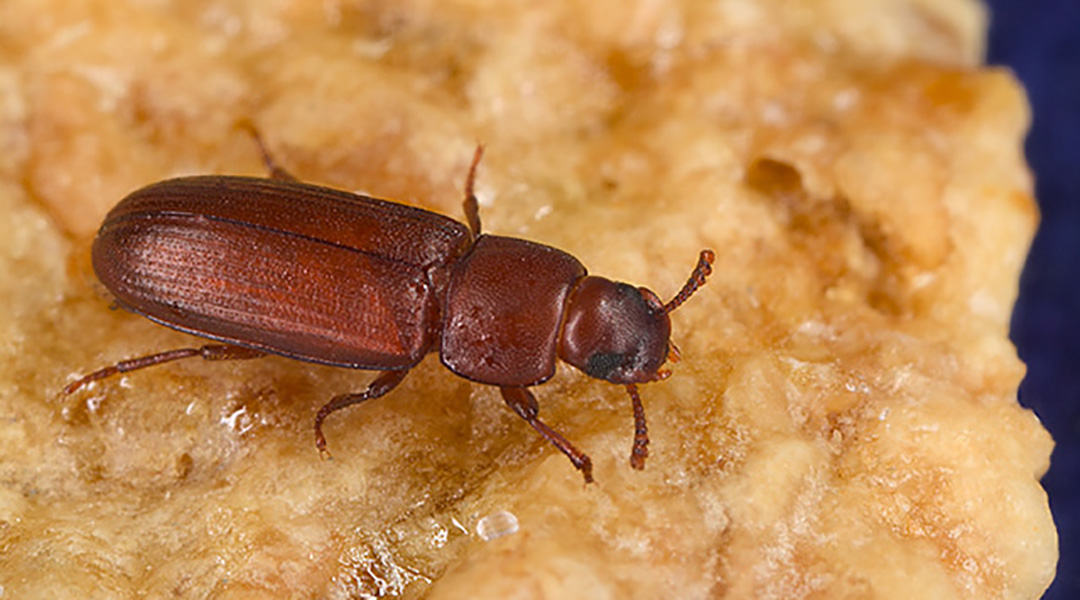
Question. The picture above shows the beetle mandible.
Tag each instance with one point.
(276, 266)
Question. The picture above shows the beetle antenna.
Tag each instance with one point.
(472, 210)
(697, 279)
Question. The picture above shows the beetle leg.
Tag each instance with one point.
(207, 352)
(472, 209)
(385, 382)
(524, 404)
(276, 170)
(640, 450)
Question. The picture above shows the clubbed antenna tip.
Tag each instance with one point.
(697, 279)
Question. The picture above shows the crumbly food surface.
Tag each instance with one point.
(843, 424)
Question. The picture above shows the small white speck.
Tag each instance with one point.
(438, 539)
(456, 523)
(496, 525)
(238, 421)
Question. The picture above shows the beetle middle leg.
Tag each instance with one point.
(524, 404)
(207, 352)
(275, 169)
(385, 382)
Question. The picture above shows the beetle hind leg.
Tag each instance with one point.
(524, 404)
(385, 382)
(207, 352)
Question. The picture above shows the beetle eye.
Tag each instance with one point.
(602, 364)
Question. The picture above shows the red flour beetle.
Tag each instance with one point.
(276, 266)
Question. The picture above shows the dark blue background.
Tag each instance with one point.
(1040, 41)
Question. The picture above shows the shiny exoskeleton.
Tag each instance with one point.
(273, 265)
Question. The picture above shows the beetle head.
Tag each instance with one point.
(614, 331)
(619, 333)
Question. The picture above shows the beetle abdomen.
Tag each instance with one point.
(319, 285)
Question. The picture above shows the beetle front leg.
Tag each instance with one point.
(524, 404)
(472, 208)
(640, 451)
(207, 352)
(385, 382)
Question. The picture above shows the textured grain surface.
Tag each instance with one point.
(844, 421)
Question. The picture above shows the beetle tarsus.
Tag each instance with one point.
(524, 404)
(207, 352)
(385, 382)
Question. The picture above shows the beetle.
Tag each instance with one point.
(277, 266)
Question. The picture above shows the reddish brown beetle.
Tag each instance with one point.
(282, 267)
